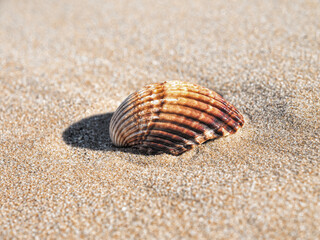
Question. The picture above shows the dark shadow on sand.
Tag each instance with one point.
(93, 133)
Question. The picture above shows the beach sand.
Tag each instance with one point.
(65, 66)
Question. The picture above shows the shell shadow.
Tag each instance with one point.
(93, 133)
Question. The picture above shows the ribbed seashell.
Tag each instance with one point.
(172, 117)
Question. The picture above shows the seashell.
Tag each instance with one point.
(172, 117)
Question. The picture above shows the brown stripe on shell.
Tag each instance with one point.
(144, 95)
(172, 117)
(155, 106)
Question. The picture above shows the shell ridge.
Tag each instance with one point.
(211, 120)
(190, 127)
(155, 108)
(228, 109)
(164, 135)
(173, 117)
(116, 114)
(128, 116)
(159, 106)
(161, 133)
(165, 142)
(170, 131)
(129, 111)
(213, 111)
(215, 104)
(211, 94)
(140, 96)
(202, 116)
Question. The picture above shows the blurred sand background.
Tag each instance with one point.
(65, 66)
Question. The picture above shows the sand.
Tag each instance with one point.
(65, 66)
